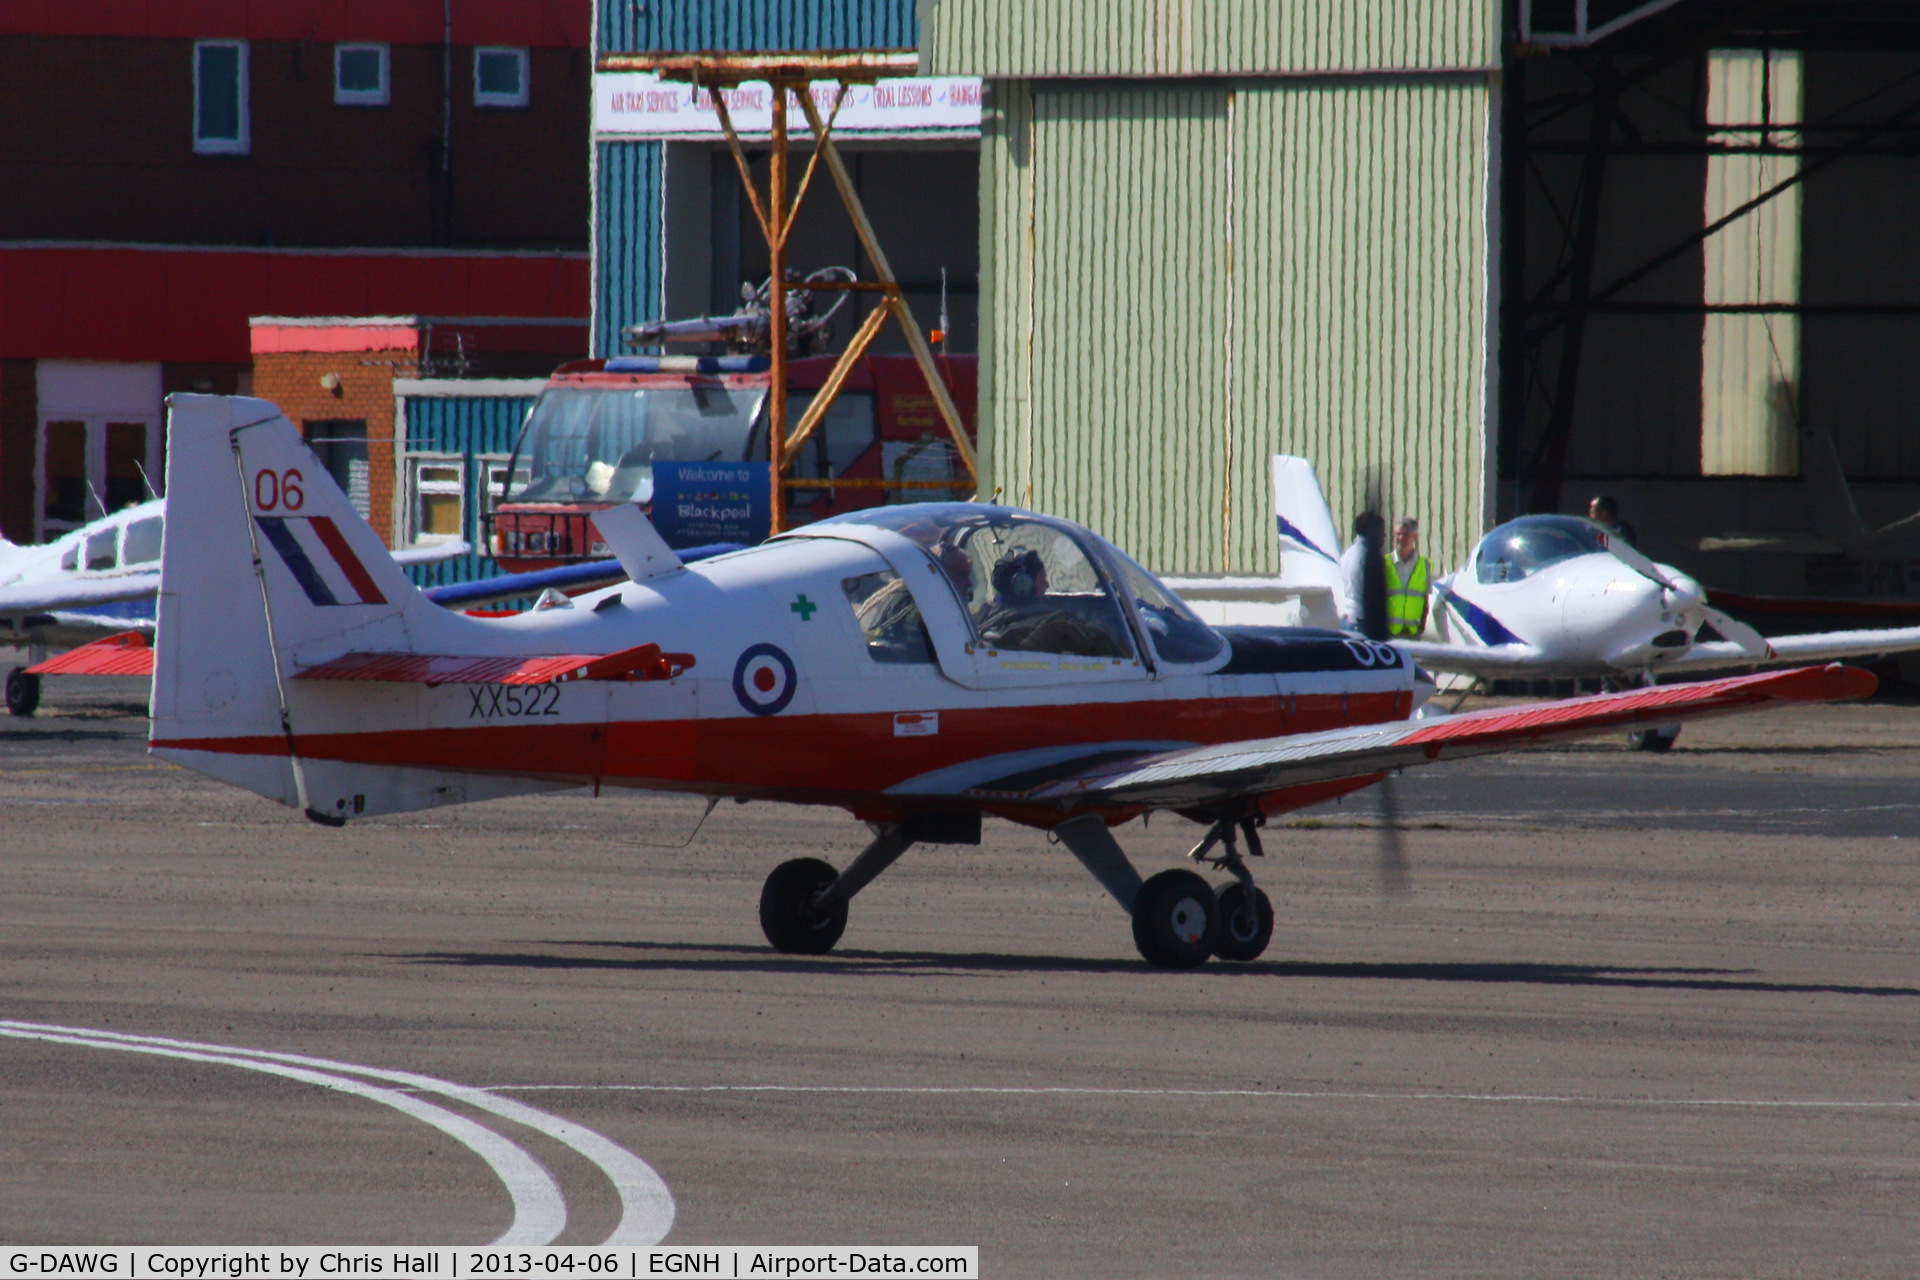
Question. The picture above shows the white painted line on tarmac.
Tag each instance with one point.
(539, 1212)
(1297, 1095)
(646, 1205)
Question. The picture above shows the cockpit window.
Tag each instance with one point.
(1521, 548)
(1027, 583)
(100, 548)
(889, 618)
(140, 544)
(1177, 633)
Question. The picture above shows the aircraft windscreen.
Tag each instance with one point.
(599, 444)
(1028, 584)
(1521, 548)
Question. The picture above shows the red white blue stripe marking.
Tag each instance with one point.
(320, 560)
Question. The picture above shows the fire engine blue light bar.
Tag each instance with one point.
(689, 364)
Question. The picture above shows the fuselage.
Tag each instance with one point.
(797, 690)
(1586, 611)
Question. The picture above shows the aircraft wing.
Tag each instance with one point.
(1229, 771)
(434, 554)
(1822, 646)
(1490, 661)
(75, 594)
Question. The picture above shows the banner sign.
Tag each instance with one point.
(695, 503)
(638, 104)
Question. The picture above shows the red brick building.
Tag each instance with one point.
(173, 169)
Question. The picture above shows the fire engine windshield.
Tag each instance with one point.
(599, 444)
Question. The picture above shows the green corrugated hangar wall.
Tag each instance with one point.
(1215, 232)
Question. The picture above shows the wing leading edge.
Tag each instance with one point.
(1205, 775)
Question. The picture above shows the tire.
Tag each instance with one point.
(1246, 923)
(1176, 920)
(1653, 739)
(23, 692)
(788, 916)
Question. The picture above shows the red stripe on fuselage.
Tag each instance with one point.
(825, 756)
(349, 563)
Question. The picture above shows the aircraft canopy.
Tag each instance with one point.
(1521, 548)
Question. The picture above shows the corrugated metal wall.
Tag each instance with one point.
(1008, 39)
(628, 212)
(1183, 280)
(471, 427)
(740, 25)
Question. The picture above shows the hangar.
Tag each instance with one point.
(1500, 255)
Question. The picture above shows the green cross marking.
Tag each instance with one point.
(804, 607)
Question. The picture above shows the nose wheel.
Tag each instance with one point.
(794, 915)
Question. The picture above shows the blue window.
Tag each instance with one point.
(220, 97)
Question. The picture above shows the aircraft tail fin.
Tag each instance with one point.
(1829, 498)
(1309, 543)
(264, 564)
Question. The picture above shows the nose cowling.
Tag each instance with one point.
(1683, 594)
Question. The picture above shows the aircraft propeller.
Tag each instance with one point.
(1390, 860)
(1686, 600)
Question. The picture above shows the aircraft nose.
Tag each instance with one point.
(1684, 594)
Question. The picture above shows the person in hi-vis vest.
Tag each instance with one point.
(1408, 577)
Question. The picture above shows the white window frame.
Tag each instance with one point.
(481, 98)
(224, 146)
(415, 488)
(380, 97)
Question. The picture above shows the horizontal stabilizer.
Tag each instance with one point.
(127, 654)
(643, 662)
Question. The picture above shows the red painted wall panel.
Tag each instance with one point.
(535, 23)
(60, 302)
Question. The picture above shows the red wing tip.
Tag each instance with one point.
(1852, 682)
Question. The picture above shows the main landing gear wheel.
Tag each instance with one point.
(1246, 923)
(23, 692)
(790, 912)
(1653, 739)
(1176, 920)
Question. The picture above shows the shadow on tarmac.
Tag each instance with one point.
(728, 957)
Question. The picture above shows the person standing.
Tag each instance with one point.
(1605, 512)
(1369, 532)
(1408, 578)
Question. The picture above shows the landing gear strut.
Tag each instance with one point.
(803, 904)
(1246, 914)
(1178, 922)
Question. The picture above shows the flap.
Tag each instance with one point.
(643, 662)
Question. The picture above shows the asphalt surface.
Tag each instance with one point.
(1635, 1015)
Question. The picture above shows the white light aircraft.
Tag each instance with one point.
(98, 580)
(1540, 597)
(917, 665)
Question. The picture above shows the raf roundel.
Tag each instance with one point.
(764, 680)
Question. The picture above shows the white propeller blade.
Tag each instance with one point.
(1740, 633)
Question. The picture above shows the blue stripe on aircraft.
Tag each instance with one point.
(1288, 531)
(1489, 628)
(275, 527)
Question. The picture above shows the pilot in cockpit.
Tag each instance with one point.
(1025, 616)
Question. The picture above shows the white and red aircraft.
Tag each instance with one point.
(918, 666)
